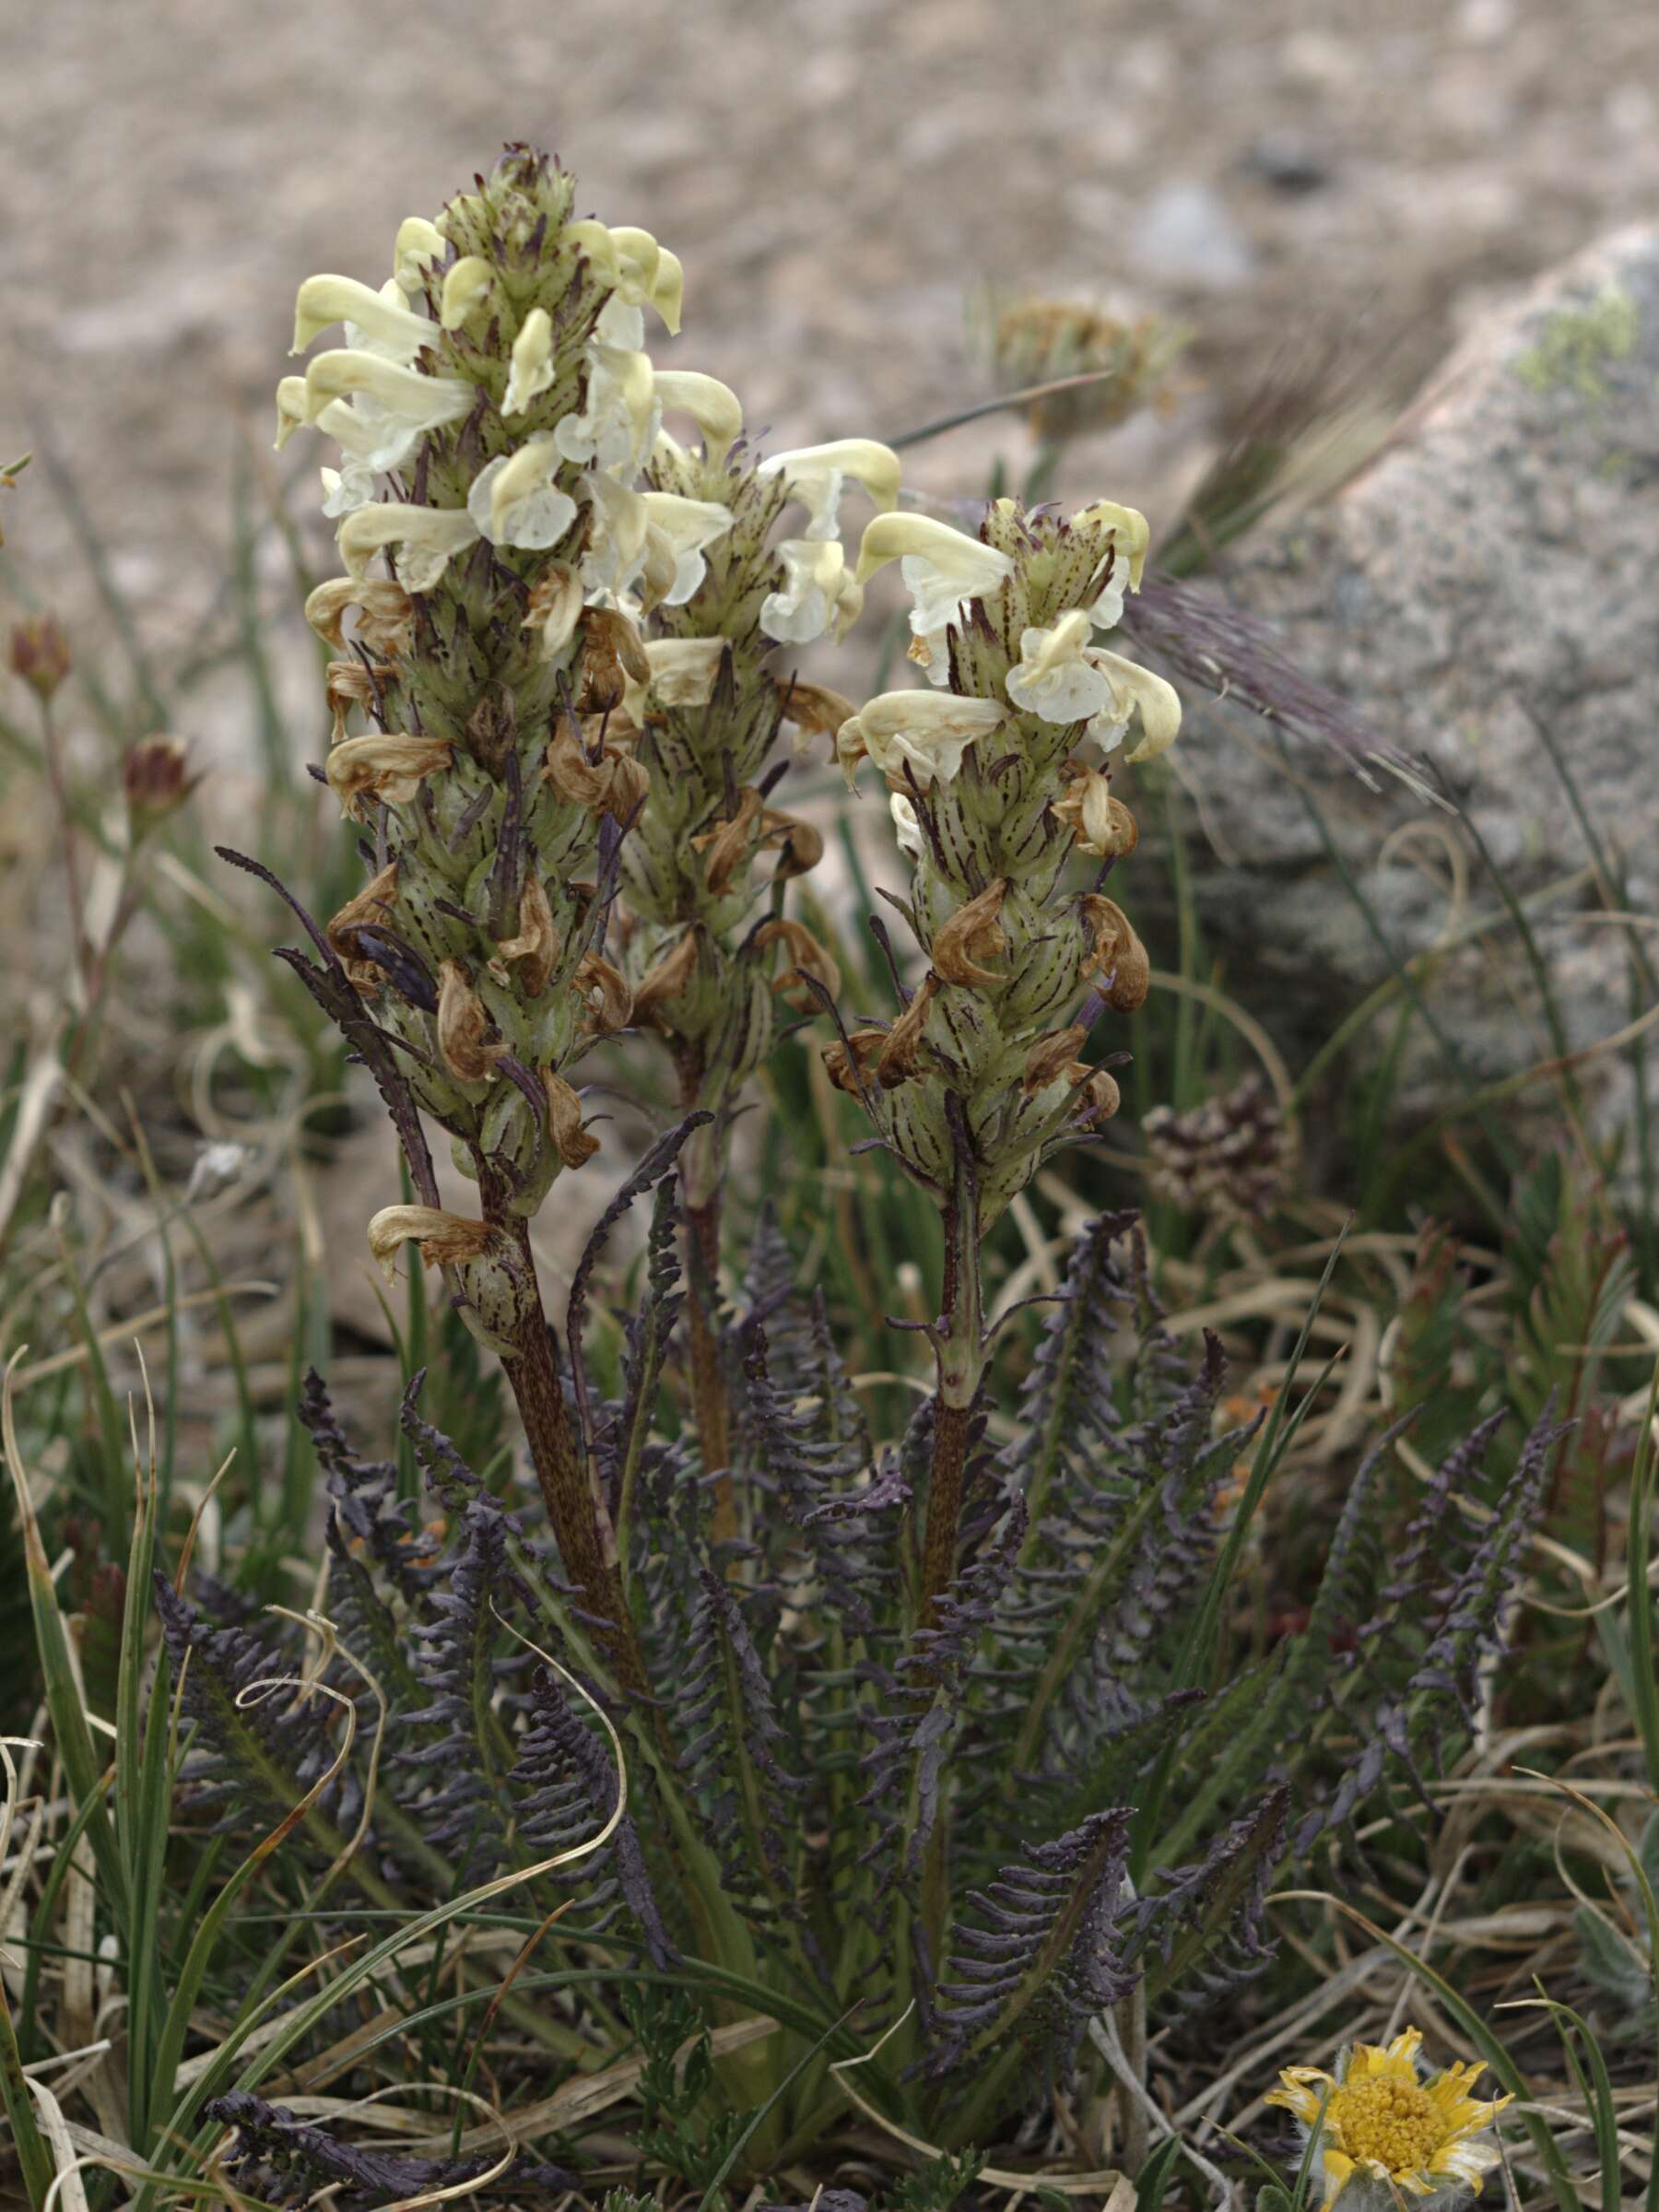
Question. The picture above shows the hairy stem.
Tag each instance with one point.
(581, 1524)
(960, 1347)
(701, 1186)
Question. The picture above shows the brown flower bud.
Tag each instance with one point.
(1117, 954)
(727, 844)
(385, 610)
(536, 943)
(800, 846)
(371, 907)
(1100, 824)
(1096, 1092)
(808, 956)
(610, 1001)
(571, 1141)
(555, 600)
(898, 1059)
(462, 1026)
(347, 684)
(611, 670)
(615, 784)
(382, 766)
(154, 782)
(443, 1240)
(492, 729)
(839, 1065)
(815, 710)
(40, 653)
(972, 933)
(667, 975)
(1052, 1057)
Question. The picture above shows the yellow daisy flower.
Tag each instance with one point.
(1377, 2116)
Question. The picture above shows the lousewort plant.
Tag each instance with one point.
(935, 1754)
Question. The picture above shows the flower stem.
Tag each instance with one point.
(702, 1181)
(960, 1347)
(581, 1521)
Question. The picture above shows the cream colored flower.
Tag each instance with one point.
(816, 591)
(616, 543)
(927, 731)
(713, 406)
(1055, 677)
(430, 536)
(683, 670)
(816, 476)
(399, 405)
(382, 325)
(1376, 2119)
(532, 370)
(620, 417)
(648, 275)
(555, 603)
(689, 527)
(942, 568)
(1135, 691)
(464, 286)
(514, 500)
(418, 243)
(906, 825)
(1130, 538)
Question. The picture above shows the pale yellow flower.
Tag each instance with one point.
(1378, 2118)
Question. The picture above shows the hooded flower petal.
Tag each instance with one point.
(907, 826)
(464, 286)
(927, 731)
(942, 567)
(816, 475)
(400, 404)
(1053, 679)
(431, 538)
(648, 275)
(683, 670)
(383, 326)
(417, 245)
(687, 527)
(1136, 691)
(815, 592)
(713, 406)
(532, 370)
(514, 500)
(616, 543)
(619, 415)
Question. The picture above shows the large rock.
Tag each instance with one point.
(1492, 574)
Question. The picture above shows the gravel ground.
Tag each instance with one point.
(836, 180)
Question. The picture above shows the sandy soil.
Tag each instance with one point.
(835, 177)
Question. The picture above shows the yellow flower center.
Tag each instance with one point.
(1386, 2119)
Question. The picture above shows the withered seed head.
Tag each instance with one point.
(575, 1144)
(1052, 1057)
(668, 976)
(899, 1059)
(155, 782)
(865, 1043)
(462, 1026)
(535, 944)
(1117, 954)
(972, 934)
(40, 653)
(808, 956)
